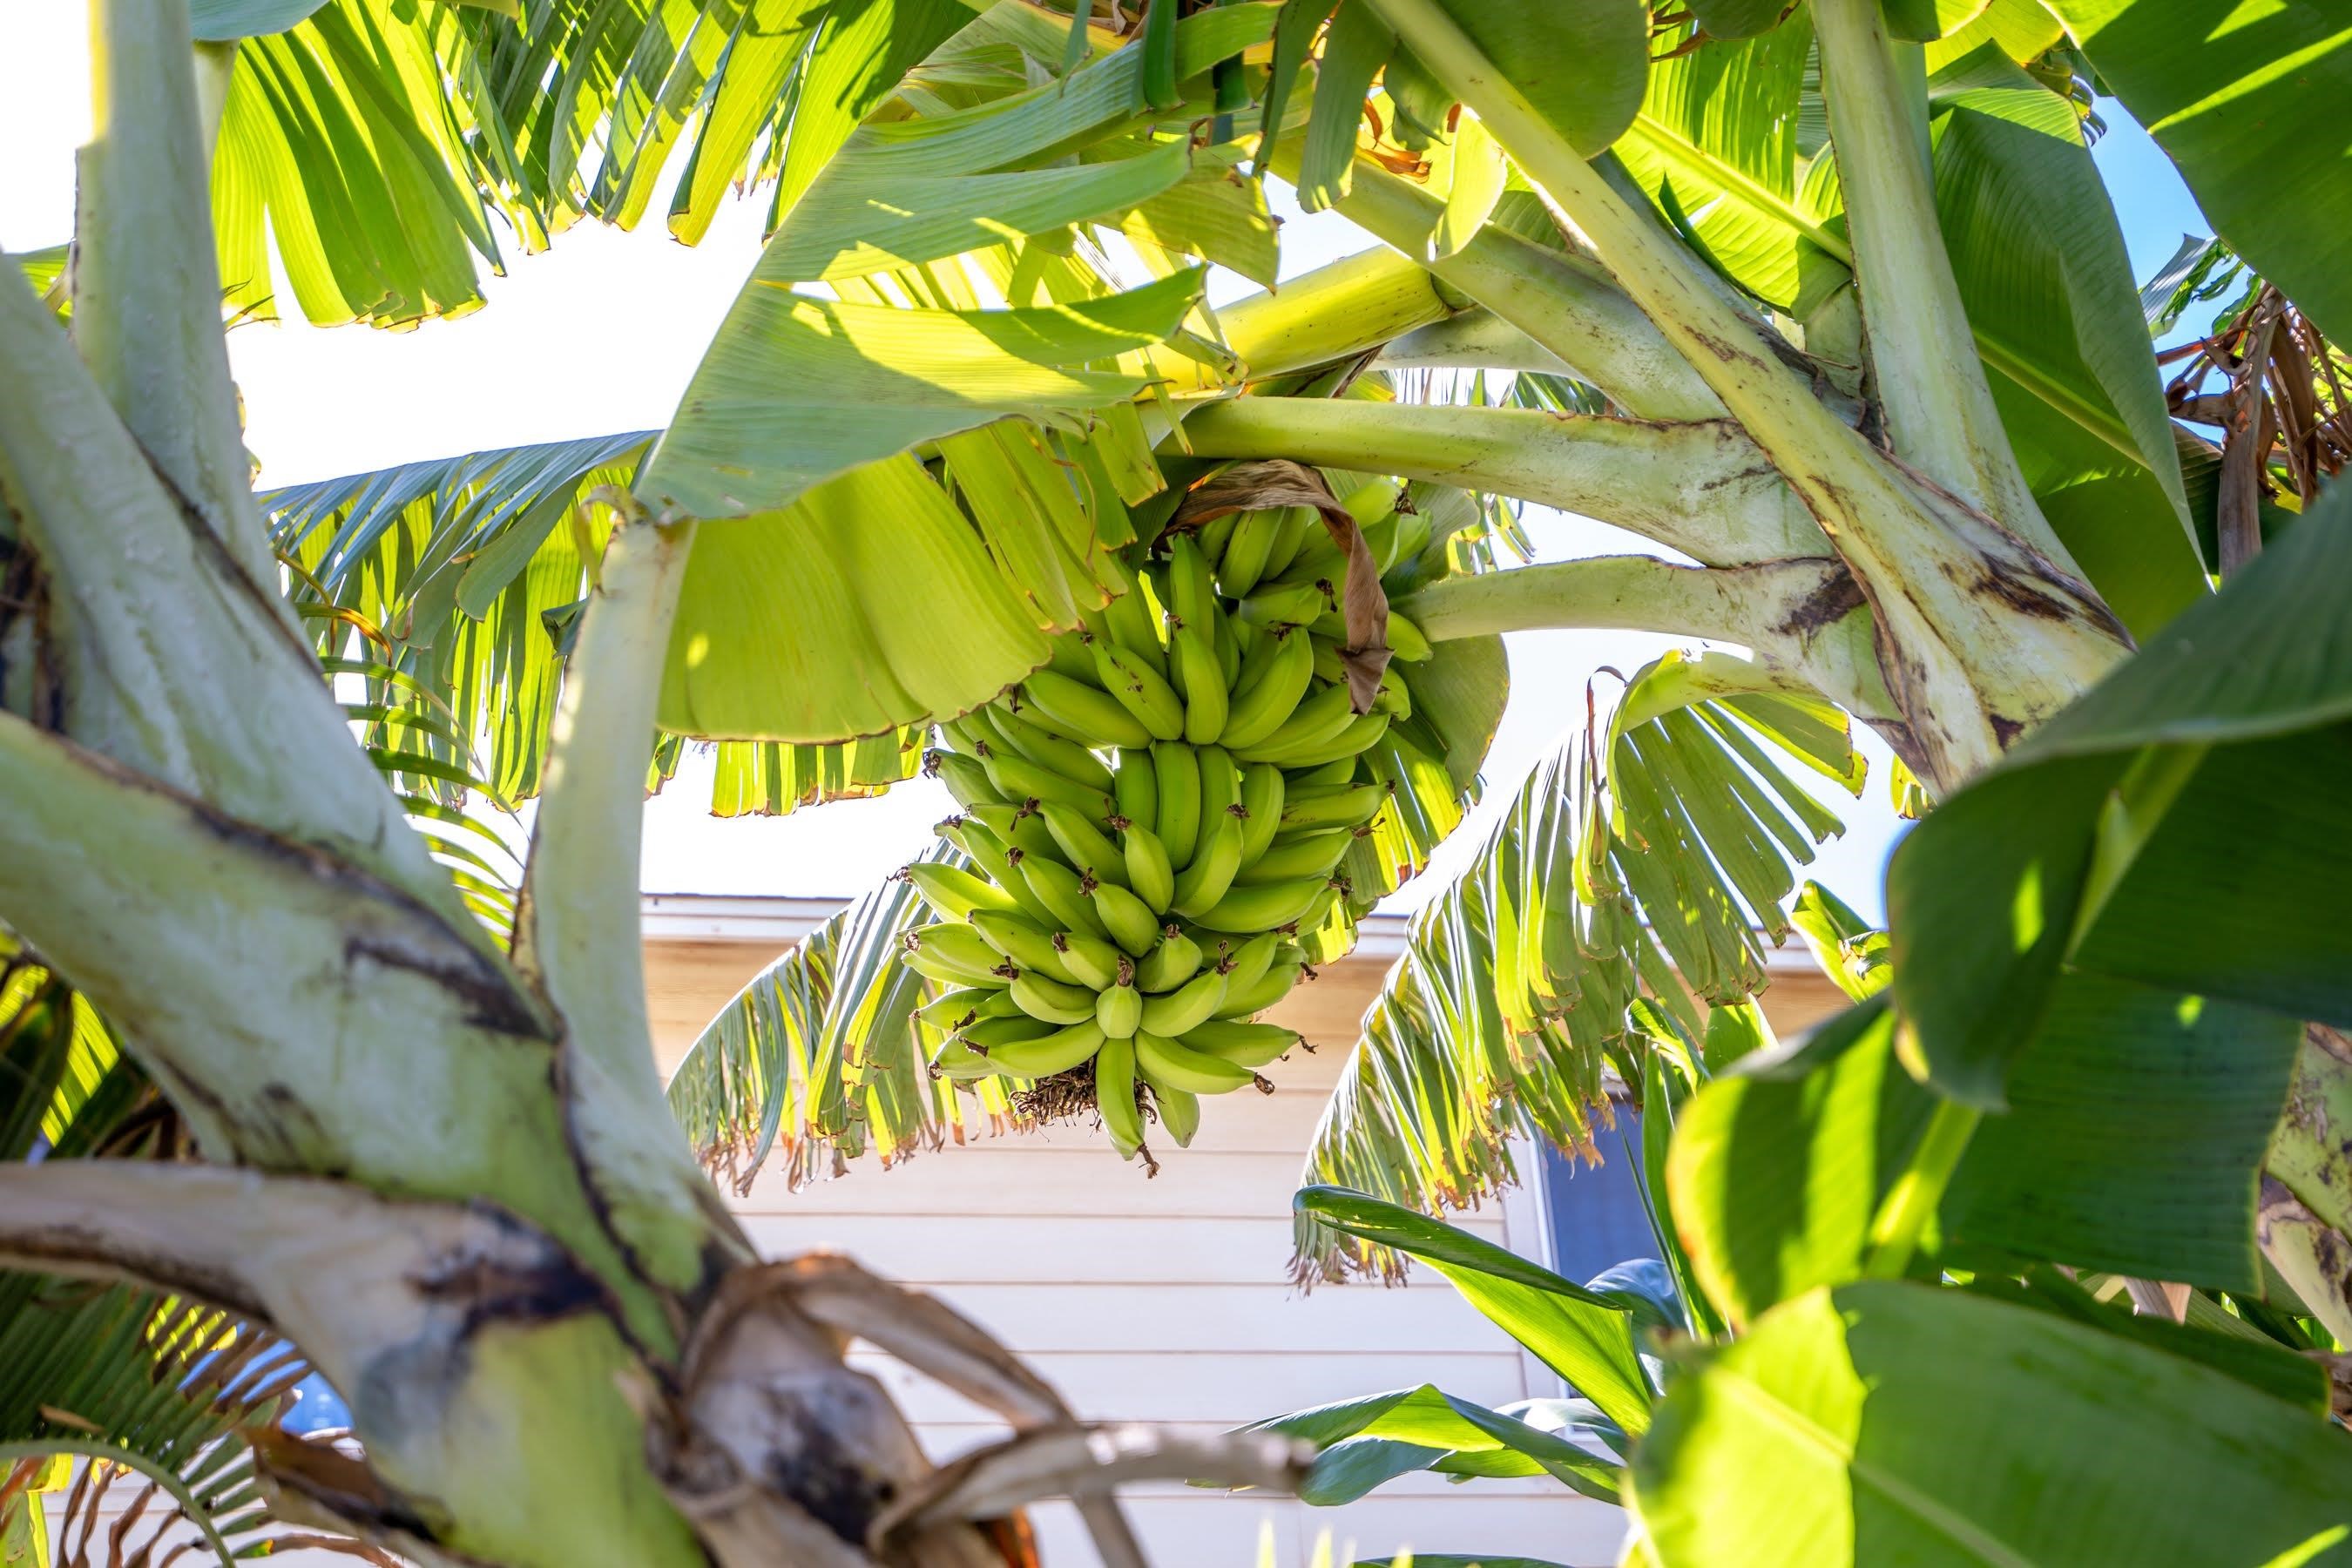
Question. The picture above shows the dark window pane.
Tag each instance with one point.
(1597, 1216)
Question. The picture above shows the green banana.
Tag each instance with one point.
(953, 952)
(957, 1060)
(1270, 688)
(1214, 535)
(1175, 960)
(1221, 785)
(1018, 778)
(1313, 854)
(1166, 1064)
(1272, 986)
(1349, 805)
(1115, 1097)
(1069, 659)
(1229, 643)
(1016, 827)
(1026, 943)
(1082, 844)
(1330, 775)
(1140, 691)
(1400, 536)
(1057, 1052)
(1286, 605)
(1176, 770)
(1394, 698)
(1263, 906)
(1134, 624)
(1081, 710)
(1132, 924)
(1118, 1009)
(1047, 749)
(1372, 500)
(1262, 792)
(1246, 964)
(966, 778)
(1062, 890)
(952, 1010)
(1148, 870)
(1356, 737)
(1407, 640)
(1246, 551)
(1136, 787)
(1051, 1000)
(1179, 1112)
(1322, 715)
(1244, 1045)
(1204, 685)
(1299, 524)
(954, 891)
(1191, 1002)
(1204, 882)
(968, 735)
(990, 854)
(987, 1034)
(1193, 593)
(1091, 961)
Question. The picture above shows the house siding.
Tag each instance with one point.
(1168, 1300)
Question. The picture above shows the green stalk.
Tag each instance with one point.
(1700, 488)
(1332, 313)
(146, 304)
(577, 930)
(1940, 409)
(1799, 616)
(1563, 303)
(1981, 637)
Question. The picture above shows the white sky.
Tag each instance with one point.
(601, 335)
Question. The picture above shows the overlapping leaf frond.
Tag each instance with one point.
(360, 150)
(1620, 906)
(821, 1057)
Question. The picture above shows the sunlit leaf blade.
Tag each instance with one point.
(1716, 146)
(795, 390)
(445, 578)
(1580, 63)
(2138, 1124)
(2138, 797)
(2051, 297)
(1367, 1441)
(878, 560)
(1892, 1422)
(860, 216)
(2245, 103)
(819, 1059)
(346, 157)
(1586, 1338)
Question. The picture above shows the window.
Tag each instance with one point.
(1596, 1212)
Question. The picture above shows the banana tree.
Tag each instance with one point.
(1782, 329)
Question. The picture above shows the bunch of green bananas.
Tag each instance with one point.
(1153, 818)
